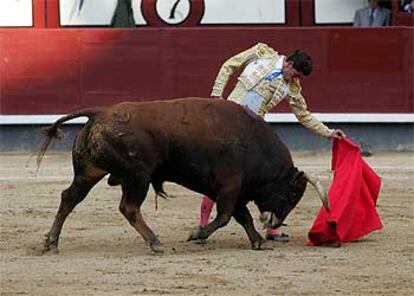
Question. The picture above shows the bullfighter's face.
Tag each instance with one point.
(283, 203)
(289, 73)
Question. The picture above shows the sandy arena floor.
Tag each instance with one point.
(100, 253)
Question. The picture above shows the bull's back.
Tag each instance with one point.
(194, 118)
(190, 133)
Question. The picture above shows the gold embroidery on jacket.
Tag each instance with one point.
(273, 91)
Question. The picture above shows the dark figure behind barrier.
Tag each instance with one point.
(123, 15)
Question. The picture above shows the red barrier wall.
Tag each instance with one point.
(54, 71)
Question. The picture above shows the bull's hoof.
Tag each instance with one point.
(46, 249)
(51, 251)
(196, 234)
(201, 241)
(49, 246)
(114, 181)
(262, 245)
(157, 247)
(41, 249)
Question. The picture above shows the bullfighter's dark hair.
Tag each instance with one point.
(302, 62)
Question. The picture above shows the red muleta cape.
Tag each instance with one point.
(352, 197)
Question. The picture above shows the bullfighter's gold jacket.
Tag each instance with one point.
(259, 61)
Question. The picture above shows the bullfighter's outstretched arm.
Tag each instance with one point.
(299, 107)
(235, 62)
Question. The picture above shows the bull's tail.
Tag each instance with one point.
(54, 132)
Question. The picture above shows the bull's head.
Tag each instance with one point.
(275, 210)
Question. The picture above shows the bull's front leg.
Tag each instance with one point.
(244, 218)
(204, 232)
(225, 208)
(228, 191)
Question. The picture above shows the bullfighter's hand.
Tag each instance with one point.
(338, 134)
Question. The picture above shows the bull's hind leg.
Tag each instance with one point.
(134, 191)
(82, 183)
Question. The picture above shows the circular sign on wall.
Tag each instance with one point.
(173, 12)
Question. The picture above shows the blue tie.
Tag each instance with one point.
(273, 75)
(371, 17)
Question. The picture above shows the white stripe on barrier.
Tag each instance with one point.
(36, 119)
(347, 117)
(271, 117)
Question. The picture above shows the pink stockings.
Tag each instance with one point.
(205, 211)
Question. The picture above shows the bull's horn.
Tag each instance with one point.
(320, 189)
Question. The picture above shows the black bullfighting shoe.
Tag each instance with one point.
(279, 237)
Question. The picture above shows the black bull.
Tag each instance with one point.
(213, 147)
